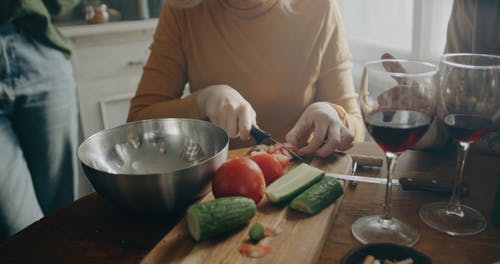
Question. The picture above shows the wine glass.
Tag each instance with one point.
(469, 100)
(397, 99)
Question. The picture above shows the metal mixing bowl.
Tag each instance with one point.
(154, 166)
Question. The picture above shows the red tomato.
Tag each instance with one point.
(269, 165)
(283, 159)
(239, 176)
(278, 150)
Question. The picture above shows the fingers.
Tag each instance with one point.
(226, 108)
(299, 134)
(338, 138)
(319, 136)
(346, 139)
(246, 118)
(231, 126)
(321, 121)
(331, 143)
(393, 66)
(387, 56)
(238, 120)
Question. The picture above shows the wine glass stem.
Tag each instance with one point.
(391, 163)
(462, 151)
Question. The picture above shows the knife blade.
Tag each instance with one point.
(262, 137)
(407, 184)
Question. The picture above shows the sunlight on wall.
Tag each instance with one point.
(384, 22)
(406, 28)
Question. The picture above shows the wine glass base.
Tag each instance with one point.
(374, 229)
(439, 216)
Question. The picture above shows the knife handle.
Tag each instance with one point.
(258, 134)
(443, 187)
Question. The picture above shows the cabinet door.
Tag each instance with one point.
(108, 68)
(104, 103)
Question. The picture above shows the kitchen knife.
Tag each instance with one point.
(262, 137)
(407, 184)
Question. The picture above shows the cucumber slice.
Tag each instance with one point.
(256, 232)
(292, 183)
(318, 197)
(219, 216)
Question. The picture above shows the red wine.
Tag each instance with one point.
(467, 128)
(397, 130)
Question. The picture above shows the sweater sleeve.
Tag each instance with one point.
(164, 75)
(335, 84)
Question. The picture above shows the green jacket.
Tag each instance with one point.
(33, 18)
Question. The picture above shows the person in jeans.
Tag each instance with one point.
(38, 114)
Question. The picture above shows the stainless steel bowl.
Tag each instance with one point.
(154, 166)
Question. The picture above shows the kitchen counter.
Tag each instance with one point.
(78, 29)
(92, 230)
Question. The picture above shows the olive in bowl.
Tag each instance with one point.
(385, 251)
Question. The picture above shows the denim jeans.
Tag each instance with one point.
(38, 130)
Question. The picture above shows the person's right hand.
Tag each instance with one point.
(225, 107)
(408, 93)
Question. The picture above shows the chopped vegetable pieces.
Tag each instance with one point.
(254, 250)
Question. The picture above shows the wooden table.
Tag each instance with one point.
(93, 231)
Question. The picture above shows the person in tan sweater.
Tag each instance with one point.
(284, 67)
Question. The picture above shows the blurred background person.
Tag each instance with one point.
(38, 114)
(473, 27)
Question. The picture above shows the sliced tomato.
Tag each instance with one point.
(283, 159)
(239, 176)
(271, 149)
(257, 152)
(270, 166)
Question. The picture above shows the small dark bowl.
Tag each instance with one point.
(383, 251)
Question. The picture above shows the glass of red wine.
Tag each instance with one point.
(397, 99)
(469, 102)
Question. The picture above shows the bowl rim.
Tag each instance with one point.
(353, 251)
(109, 130)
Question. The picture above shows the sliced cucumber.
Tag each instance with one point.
(318, 197)
(219, 216)
(256, 232)
(292, 183)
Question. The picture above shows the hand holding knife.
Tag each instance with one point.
(407, 184)
(262, 137)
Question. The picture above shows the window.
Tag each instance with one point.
(405, 28)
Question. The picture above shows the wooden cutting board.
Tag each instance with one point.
(300, 241)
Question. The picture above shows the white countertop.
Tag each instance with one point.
(78, 30)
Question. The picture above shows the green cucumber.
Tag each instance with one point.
(318, 197)
(256, 232)
(292, 183)
(219, 216)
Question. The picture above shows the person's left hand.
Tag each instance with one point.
(329, 133)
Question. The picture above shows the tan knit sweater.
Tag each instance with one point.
(279, 63)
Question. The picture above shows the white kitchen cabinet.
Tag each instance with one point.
(107, 61)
